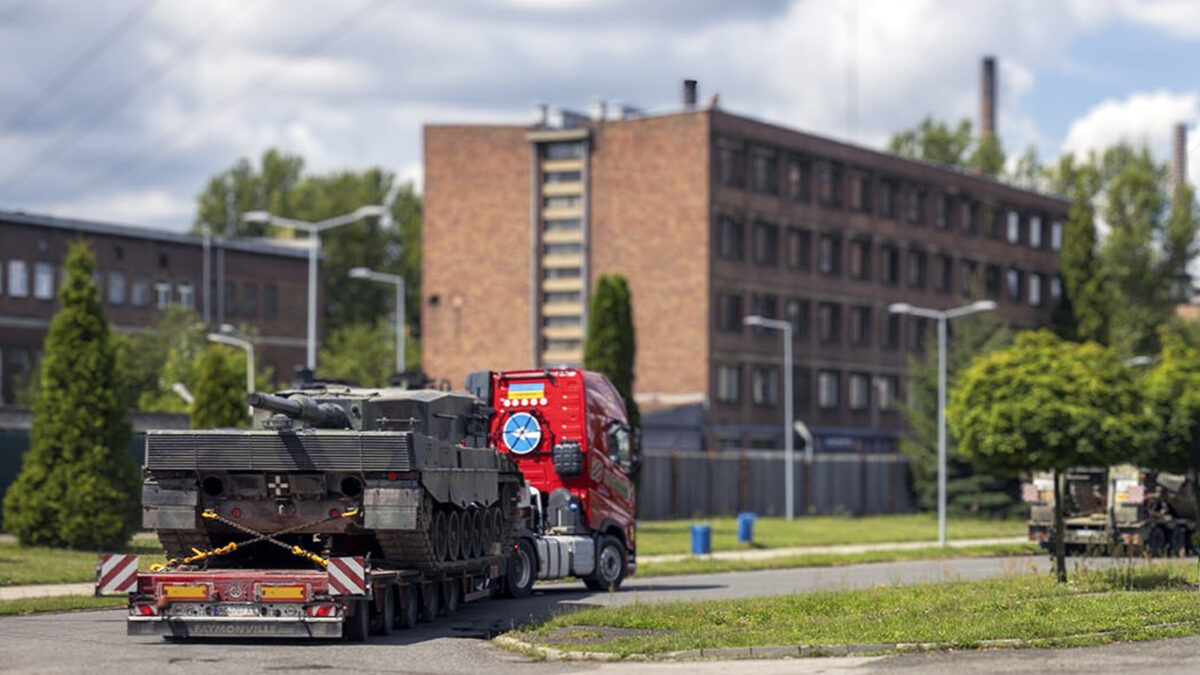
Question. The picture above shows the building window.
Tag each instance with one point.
(1056, 235)
(829, 322)
(970, 211)
(766, 244)
(729, 313)
(860, 259)
(829, 253)
(916, 269)
(562, 249)
(116, 287)
(731, 164)
(765, 172)
(18, 279)
(270, 301)
(945, 273)
(890, 263)
(827, 390)
(943, 212)
(764, 305)
(43, 281)
(1035, 289)
(887, 199)
(729, 238)
(860, 326)
(564, 150)
(1013, 284)
(554, 297)
(860, 193)
(562, 202)
(991, 281)
(889, 390)
(573, 320)
(1014, 227)
(562, 225)
(187, 295)
(799, 249)
(561, 177)
(859, 391)
(829, 185)
(231, 299)
(562, 273)
(917, 327)
(162, 294)
(997, 226)
(795, 311)
(764, 385)
(139, 293)
(561, 345)
(916, 206)
(1035, 231)
(801, 389)
(729, 384)
(967, 269)
(891, 332)
(797, 180)
(1055, 288)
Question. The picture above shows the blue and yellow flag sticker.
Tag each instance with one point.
(526, 391)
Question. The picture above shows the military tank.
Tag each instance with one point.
(402, 477)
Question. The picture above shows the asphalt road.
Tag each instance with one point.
(95, 641)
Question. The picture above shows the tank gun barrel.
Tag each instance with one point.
(297, 407)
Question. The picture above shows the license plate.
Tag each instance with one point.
(237, 610)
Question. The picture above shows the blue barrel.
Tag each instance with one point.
(746, 527)
(701, 539)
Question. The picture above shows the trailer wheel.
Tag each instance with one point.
(407, 616)
(453, 536)
(386, 620)
(522, 569)
(358, 625)
(431, 601)
(452, 597)
(610, 565)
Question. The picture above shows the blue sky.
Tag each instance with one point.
(128, 127)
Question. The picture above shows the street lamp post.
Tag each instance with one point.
(942, 316)
(245, 345)
(314, 231)
(789, 457)
(398, 282)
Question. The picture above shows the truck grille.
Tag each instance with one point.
(278, 451)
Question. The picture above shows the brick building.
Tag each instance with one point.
(713, 216)
(141, 271)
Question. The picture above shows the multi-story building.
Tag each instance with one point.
(141, 271)
(714, 216)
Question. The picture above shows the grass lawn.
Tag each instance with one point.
(706, 566)
(39, 565)
(1140, 601)
(62, 603)
(674, 536)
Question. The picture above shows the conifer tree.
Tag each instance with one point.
(219, 392)
(78, 486)
(611, 344)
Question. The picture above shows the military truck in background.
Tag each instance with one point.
(1113, 510)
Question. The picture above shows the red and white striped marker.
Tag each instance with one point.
(116, 573)
(347, 576)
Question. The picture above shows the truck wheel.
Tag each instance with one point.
(386, 620)
(452, 597)
(407, 616)
(357, 627)
(610, 565)
(522, 569)
(431, 601)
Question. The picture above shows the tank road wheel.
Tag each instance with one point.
(431, 601)
(452, 597)
(497, 525)
(522, 570)
(439, 534)
(453, 535)
(489, 524)
(357, 627)
(477, 533)
(610, 565)
(407, 616)
(386, 619)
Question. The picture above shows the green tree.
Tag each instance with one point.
(1084, 288)
(219, 391)
(1179, 242)
(78, 487)
(988, 156)
(611, 345)
(1027, 173)
(969, 490)
(362, 353)
(933, 141)
(1047, 404)
(242, 188)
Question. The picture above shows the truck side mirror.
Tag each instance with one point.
(635, 464)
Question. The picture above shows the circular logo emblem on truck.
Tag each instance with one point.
(522, 433)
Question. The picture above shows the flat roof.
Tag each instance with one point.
(148, 233)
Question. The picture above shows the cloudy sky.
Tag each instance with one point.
(121, 109)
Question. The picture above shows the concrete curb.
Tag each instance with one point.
(776, 652)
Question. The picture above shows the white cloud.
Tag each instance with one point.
(142, 207)
(1142, 118)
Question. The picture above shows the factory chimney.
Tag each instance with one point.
(689, 94)
(1179, 156)
(987, 98)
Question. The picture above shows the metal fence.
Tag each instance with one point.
(690, 484)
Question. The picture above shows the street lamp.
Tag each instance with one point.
(314, 231)
(398, 281)
(789, 455)
(942, 316)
